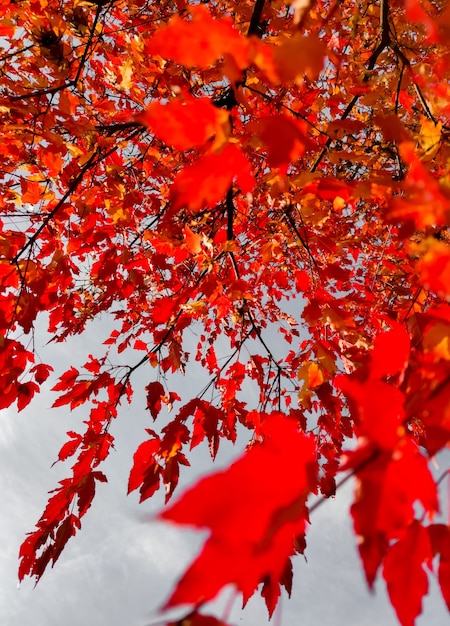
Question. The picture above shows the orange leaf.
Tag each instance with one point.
(193, 240)
(299, 56)
(434, 268)
(315, 375)
(31, 191)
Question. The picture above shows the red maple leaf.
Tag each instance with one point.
(253, 510)
(406, 579)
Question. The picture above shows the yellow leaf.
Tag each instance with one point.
(195, 306)
(117, 214)
(126, 71)
(430, 137)
(74, 150)
(339, 203)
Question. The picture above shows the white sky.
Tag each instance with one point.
(122, 566)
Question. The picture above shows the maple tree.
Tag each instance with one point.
(274, 175)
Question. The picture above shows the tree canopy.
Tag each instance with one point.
(274, 176)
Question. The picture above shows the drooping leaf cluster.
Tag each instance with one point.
(275, 176)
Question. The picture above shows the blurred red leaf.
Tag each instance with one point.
(184, 122)
(268, 485)
(385, 497)
(200, 41)
(403, 571)
(206, 182)
(440, 543)
(390, 352)
(198, 619)
(434, 268)
(282, 138)
(377, 409)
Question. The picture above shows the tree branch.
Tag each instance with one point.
(94, 160)
(385, 42)
(253, 28)
(355, 471)
(230, 214)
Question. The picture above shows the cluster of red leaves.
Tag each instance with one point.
(249, 172)
(59, 522)
(386, 460)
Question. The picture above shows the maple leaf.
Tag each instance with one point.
(146, 471)
(41, 372)
(407, 581)
(25, 393)
(31, 191)
(155, 392)
(206, 182)
(238, 552)
(199, 42)
(193, 240)
(185, 122)
(440, 543)
(71, 446)
(283, 139)
(271, 590)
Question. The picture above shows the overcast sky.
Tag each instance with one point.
(121, 567)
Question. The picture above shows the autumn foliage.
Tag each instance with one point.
(275, 176)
